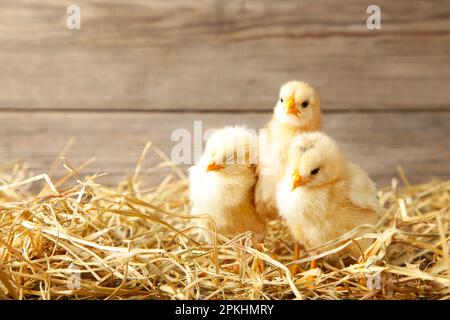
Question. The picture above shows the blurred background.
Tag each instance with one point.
(137, 70)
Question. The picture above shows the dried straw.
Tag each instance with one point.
(91, 241)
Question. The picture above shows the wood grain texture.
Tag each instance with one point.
(223, 55)
(378, 142)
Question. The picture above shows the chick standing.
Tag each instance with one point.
(297, 111)
(322, 196)
(222, 183)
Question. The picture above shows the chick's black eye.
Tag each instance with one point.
(305, 104)
(315, 171)
(281, 99)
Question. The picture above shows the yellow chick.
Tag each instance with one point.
(222, 183)
(323, 196)
(297, 111)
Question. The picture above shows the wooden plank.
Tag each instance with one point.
(378, 142)
(223, 55)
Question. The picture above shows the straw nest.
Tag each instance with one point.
(78, 239)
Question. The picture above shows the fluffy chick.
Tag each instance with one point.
(297, 110)
(322, 195)
(222, 183)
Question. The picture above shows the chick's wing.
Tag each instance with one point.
(362, 189)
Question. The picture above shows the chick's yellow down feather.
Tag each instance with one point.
(222, 183)
(323, 196)
(297, 110)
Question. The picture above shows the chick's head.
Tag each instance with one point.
(315, 160)
(230, 152)
(298, 105)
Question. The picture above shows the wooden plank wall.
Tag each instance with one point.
(139, 69)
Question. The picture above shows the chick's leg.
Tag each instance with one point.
(312, 266)
(295, 268)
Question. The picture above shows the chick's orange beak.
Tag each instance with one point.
(297, 180)
(214, 167)
(290, 106)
